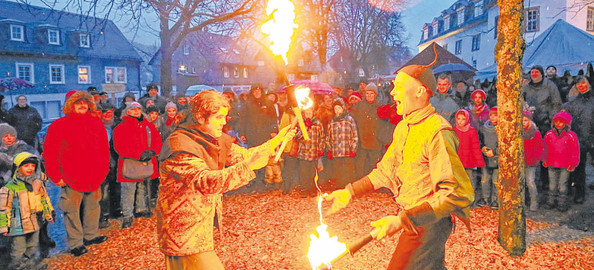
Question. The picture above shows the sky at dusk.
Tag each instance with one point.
(416, 14)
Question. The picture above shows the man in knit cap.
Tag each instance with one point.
(368, 123)
(424, 173)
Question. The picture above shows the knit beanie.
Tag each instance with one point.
(528, 114)
(563, 116)
(540, 69)
(7, 129)
(371, 87)
(355, 95)
(170, 105)
(479, 92)
(23, 158)
(104, 107)
(131, 105)
(493, 110)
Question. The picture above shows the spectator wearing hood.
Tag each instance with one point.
(469, 149)
(443, 101)
(135, 138)
(479, 110)
(152, 93)
(542, 94)
(169, 121)
(582, 108)
(561, 158)
(368, 123)
(181, 101)
(77, 159)
(26, 120)
(10, 146)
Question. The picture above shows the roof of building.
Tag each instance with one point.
(452, 10)
(562, 45)
(106, 39)
(426, 56)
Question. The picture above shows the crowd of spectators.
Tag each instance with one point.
(349, 131)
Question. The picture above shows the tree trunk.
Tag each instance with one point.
(510, 187)
(166, 58)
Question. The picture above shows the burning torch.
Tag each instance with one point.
(279, 28)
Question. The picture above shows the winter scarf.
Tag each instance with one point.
(479, 109)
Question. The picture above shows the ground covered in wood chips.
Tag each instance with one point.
(271, 231)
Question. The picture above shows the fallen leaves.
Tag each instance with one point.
(271, 231)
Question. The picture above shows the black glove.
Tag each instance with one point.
(147, 155)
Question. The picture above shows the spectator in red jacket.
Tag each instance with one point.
(469, 149)
(533, 150)
(138, 139)
(77, 159)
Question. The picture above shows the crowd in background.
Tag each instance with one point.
(348, 132)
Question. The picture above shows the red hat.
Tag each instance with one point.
(69, 94)
(479, 92)
(493, 110)
(355, 94)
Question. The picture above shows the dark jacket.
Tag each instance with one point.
(26, 121)
(582, 111)
(445, 105)
(488, 138)
(544, 96)
(160, 102)
(368, 123)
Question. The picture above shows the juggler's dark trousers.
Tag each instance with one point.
(425, 250)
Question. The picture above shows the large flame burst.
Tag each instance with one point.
(280, 26)
(302, 96)
(323, 248)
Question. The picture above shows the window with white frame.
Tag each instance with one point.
(446, 23)
(476, 42)
(458, 47)
(245, 72)
(53, 36)
(590, 19)
(25, 71)
(84, 74)
(426, 33)
(186, 49)
(85, 40)
(435, 28)
(17, 32)
(235, 72)
(461, 16)
(478, 8)
(56, 74)
(532, 19)
(226, 72)
(115, 74)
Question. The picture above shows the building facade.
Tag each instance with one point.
(223, 62)
(468, 28)
(59, 51)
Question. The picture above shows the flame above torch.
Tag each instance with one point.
(280, 26)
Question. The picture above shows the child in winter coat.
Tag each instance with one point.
(24, 203)
(469, 149)
(562, 156)
(341, 143)
(479, 110)
(490, 148)
(533, 150)
(309, 152)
